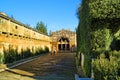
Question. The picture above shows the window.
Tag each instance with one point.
(0, 21)
(16, 27)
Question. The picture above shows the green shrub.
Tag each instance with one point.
(26, 53)
(87, 66)
(106, 69)
(99, 21)
(116, 54)
(39, 51)
(46, 49)
(10, 55)
(2, 58)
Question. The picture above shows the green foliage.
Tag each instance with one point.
(116, 54)
(39, 51)
(104, 9)
(12, 17)
(106, 69)
(46, 49)
(101, 40)
(40, 26)
(105, 12)
(97, 39)
(87, 66)
(98, 25)
(26, 53)
(1, 58)
(115, 44)
(83, 37)
(11, 55)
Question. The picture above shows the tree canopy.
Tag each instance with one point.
(41, 27)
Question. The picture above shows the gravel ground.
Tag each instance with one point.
(46, 67)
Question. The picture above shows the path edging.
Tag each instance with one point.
(19, 62)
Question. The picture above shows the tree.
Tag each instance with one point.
(12, 17)
(40, 26)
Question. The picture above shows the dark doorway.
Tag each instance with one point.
(59, 46)
(63, 44)
(68, 47)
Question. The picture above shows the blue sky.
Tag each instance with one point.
(56, 14)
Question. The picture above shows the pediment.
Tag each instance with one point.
(62, 33)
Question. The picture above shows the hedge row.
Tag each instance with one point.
(98, 30)
(11, 55)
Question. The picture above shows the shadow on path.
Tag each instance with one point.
(47, 67)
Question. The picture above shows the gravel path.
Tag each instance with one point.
(45, 67)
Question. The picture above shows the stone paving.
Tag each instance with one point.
(46, 67)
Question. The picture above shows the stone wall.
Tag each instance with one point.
(68, 35)
(20, 36)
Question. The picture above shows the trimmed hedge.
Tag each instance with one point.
(87, 66)
(99, 26)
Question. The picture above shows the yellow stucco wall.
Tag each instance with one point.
(20, 36)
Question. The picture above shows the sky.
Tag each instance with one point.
(56, 14)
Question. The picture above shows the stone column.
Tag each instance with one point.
(61, 46)
(61, 43)
(65, 47)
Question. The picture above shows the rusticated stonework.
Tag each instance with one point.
(63, 40)
(20, 36)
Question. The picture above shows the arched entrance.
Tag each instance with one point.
(63, 44)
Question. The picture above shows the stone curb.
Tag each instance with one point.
(78, 78)
(19, 62)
